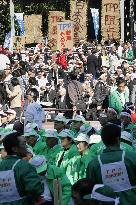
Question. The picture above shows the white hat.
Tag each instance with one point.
(95, 139)
(126, 136)
(85, 128)
(60, 118)
(79, 118)
(30, 126)
(82, 138)
(51, 133)
(68, 121)
(66, 133)
(31, 133)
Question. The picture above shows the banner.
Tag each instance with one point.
(54, 17)
(20, 22)
(110, 19)
(64, 35)
(33, 25)
(78, 10)
(95, 15)
(7, 42)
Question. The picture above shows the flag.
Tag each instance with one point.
(12, 25)
(20, 22)
(7, 42)
(95, 15)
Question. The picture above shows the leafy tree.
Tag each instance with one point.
(30, 7)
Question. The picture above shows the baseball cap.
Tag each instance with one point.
(66, 133)
(60, 118)
(85, 128)
(79, 118)
(39, 162)
(82, 138)
(103, 193)
(31, 133)
(51, 133)
(95, 139)
(30, 126)
(126, 136)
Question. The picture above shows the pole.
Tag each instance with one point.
(12, 25)
(122, 15)
(132, 20)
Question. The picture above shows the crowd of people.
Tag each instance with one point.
(72, 163)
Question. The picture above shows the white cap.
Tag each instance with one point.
(79, 118)
(82, 138)
(66, 133)
(30, 126)
(31, 133)
(51, 133)
(126, 136)
(60, 118)
(85, 128)
(95, 139)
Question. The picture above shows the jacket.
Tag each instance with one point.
(27, 181)
(112, 155)
(15, 96)
(115, 100)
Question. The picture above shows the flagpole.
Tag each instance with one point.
(12, 25)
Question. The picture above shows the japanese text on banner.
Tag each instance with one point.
(110, 19)
(54, 17)
(65, 35)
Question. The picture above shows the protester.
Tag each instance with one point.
(25, 185)
(113, 158)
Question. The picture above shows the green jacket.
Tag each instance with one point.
(112, 155)
(27, 181)
(115, 100)
(98, 148)
(54, 172)
(77, 166)
(67, 155)
(130, 56)
(52, 153)
(40, 147)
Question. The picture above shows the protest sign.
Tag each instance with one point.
(110, 19)
(64, 35)
(54, 17)
(78, 10)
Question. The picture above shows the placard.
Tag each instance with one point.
(33, 24)
(64, 35)
(110, 19)
(54, 17)
(78, 10)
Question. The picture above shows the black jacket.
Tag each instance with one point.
(92, 64)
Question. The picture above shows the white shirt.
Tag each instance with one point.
(42, 81)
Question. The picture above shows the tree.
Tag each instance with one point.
(30, 7)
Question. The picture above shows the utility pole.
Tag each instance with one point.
(122, 15)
